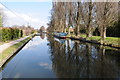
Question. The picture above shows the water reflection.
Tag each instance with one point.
(62, 41)
(31, 62)
(35, 43)
(46, 65)
(51, 58)
(42, 35)
(75, 59)
(0, 74)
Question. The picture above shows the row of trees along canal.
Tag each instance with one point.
(88, 17)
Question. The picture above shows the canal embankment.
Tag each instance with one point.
(13, 49)
(113, 42)
(7, 45)
(109, 41)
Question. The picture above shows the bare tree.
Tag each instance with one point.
(69, 6)
(87, 16)
(107, 14)
(58, 18)
(77, 17)
(42, 29)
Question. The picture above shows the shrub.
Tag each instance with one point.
(10, 33)
(0, 35)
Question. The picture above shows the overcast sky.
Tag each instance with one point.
(34, 13)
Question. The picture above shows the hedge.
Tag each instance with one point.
(10, 33)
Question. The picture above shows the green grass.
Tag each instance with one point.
(73, 35)
(83, 35)
(12, 49)
(108, 40)
(113, 40)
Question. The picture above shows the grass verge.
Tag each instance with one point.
(11, 50)
(109, 40)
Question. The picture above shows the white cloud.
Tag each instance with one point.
(9, 14)
(23, 19)
(45, 65)
(32, 45)
(17, 75)
(1, 6)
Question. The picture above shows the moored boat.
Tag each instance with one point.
(60, 35)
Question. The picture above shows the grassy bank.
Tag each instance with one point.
(11, 50)
(109, 40)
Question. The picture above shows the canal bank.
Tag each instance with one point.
(13, 49)
(97, 42)
(109, 41)
(113, 42)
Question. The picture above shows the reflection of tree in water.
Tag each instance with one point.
(42, 35)
(81, 60)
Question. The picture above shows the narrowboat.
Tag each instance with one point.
(60, 35)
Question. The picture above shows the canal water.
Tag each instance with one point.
(49, 57)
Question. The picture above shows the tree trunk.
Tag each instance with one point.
(77, 30)
(88, 53)
(65, 30)
(64, 25)
(89, 32)
(103, 33)
(68, 30)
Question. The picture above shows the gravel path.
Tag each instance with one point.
(6, 45)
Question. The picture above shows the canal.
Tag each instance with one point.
(48, 57)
